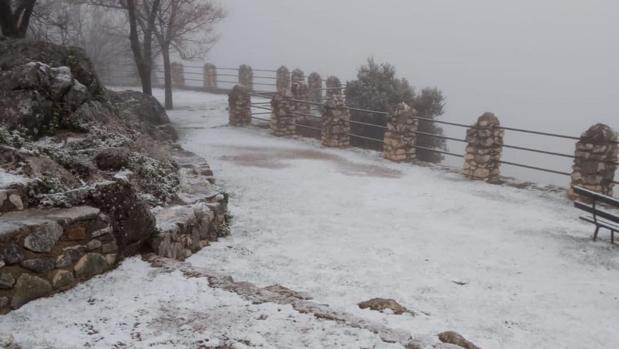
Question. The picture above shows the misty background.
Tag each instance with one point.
(549, 65)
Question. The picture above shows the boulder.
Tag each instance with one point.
(455, 338)
(39, 265)
(6, 281)
(29, 287)
(113, 159)
(44, 237)
(62, 279)
(90, 265)
(382, 304)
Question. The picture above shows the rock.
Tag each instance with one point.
(4, 302)
(113, 159)
(90, 265)
(131, 217)
(29, 287)
(76, 233)
(144, 113)
(109, 248)
(455, 338)
(286, 292)
(12, 254)
(93, 245)
(6, 281)
(16, 201)
(111, 258)
(70, 256)
(62, 279)
(44, 237)
(39, 265)
(381, 304)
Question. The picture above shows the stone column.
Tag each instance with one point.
(283, 79)
(239, 106)
(297, 75)
(282, 117)
(300, 91)
(336, 123)
(401, 134)
(485, 145)
(210, 76)
(314, 82)
(334, 86)
(246, 77)
(596, 161)
(178, 74)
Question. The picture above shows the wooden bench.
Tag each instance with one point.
(601, 218)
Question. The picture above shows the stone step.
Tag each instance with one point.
(44, 251)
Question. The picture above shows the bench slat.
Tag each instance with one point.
(597, 196)
(603, 214)
(604, 224)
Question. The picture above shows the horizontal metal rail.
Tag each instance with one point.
(534, 168)
(264, 113)
(263, 119)
(308, 126)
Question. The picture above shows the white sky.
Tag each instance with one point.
(540, 64)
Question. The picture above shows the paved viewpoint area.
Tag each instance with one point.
(505, 267)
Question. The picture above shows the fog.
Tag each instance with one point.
(550, 65)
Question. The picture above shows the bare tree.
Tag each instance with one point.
(187, 26)
(15, 17)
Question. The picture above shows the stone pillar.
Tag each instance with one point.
(485, 145)
(283, 120)
(401, 134)
(334, 86)
(300, 91)
(314, 82)
(178, 74)
(246, 77)
(336, 123)
(210, 76)
(239, 106)
(297, 75)
(283, 79)
(596, 161)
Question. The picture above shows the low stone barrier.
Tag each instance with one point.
(246, 77)
(485, 145)
(177, 70)
(336, 123)
(46, 251)
(400, 137)
(282, 79)
(239, 106)
(283, 119)
(596, 160)
(210, 76)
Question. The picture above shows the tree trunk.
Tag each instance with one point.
(14, 24)
(142, 58)
(165, 52)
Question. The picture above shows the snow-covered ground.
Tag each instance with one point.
(505, 267)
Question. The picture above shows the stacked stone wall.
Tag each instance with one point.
(314, 83)
(596, 160)
(485, 145)
(401, 134)
(297, 76)
(282, 79)
(210, 76)
(336, 123)
(239, 106)
(283, 119)
(46, 251)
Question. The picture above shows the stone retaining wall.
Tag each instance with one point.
(282, 79)
(177, 70)
(246, 77)
(336, 123)
(282, 117)
(596, 160)
(401, 134)
(485, 145)
(46, 251)
(239, 106)
(210, 76)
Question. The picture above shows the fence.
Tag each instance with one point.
(307, 109)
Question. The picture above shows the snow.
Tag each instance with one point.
(505, 267)
(8, 179)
